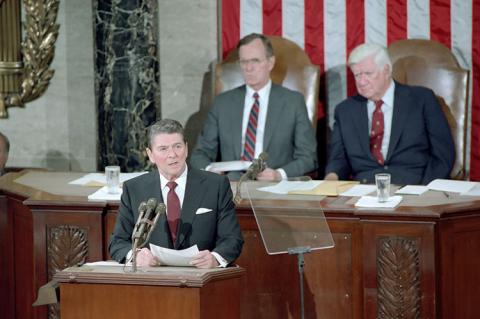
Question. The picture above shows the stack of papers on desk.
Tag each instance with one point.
(102, 194)
(327, 188)
(99, 179)
(448, 185)
(172, 257)
(372, 202)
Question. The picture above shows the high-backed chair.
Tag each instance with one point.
(292, 69)
(431, 64)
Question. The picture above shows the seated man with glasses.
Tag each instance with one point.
(388, 127)
(258, 117)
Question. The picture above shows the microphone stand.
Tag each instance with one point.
(300, 251)
(258, 165)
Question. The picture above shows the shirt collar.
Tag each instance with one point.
(180, 180)
(263, 92)
(388, 96)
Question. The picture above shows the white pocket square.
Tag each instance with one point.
(202, 211)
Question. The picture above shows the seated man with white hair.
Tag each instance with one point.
(388, 127)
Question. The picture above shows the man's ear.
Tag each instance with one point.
(149, 154)
(272, 62)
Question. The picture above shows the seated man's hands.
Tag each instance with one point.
(146, 258)
(269, 174)
(204, 259)
(331, 177)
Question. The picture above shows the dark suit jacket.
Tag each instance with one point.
(217, 230)
(289, 137)
(420, 149)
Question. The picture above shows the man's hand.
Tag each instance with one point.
(204, 259)
(331, 177)
(269, 174)
(146, 258)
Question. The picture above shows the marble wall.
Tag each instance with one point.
(59, 130)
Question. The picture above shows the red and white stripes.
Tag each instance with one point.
(329, 29)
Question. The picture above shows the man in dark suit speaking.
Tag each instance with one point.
(199, 204)
(258, 117)
(388, 127)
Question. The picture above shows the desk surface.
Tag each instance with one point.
(40, 187)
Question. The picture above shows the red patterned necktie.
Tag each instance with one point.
(251, 132)
(173, 210)
(376, 134)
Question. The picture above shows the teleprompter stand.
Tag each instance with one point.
(287, 227)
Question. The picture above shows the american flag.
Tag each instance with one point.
(329, 29)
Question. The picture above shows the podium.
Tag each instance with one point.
(152, 292)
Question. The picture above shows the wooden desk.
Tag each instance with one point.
(417, 260)
(98, 292)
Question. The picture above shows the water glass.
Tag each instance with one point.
(383, 186)
(112, 174)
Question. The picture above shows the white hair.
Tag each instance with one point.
(380, 55)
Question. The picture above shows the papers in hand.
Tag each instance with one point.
(171, 257)
(372, 202)
(229, 166)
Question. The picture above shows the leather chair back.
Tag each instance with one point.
(292, 69)
(431, 64)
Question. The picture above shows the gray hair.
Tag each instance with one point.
(7, 142)
(253, 36)
(380, 55)
(164, 126)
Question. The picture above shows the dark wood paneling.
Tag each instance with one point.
(7, 284)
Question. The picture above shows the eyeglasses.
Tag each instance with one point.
(254, 62)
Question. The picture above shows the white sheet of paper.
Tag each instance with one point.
(448, 185)
(103, 194)
(172, 257)
(372, 202)
(475, 191)
(412, 190)
(285, 186)
(359, 190)
(101, 179)
(104, 263)
(230, 166)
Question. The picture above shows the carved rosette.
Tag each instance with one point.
(66, 246)
(398, 278)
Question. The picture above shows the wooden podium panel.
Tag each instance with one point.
(193, 294)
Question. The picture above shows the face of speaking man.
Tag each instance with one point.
(256, 65)
(371, 80)
(169, 153)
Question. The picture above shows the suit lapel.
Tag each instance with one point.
(238, 102)
(361, 124)
(194, 192)
(402, 104)
(275, 109)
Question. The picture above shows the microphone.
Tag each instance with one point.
(148, 215)
(258, 165)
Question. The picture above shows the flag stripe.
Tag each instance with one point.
(355, 17)
(293, 21)
(440, 21)
(230, 25)
(396, 20)
(272, 17)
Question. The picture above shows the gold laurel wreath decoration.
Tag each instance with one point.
(38, 48)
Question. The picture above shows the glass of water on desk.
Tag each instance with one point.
(112, 174)
(382, 181)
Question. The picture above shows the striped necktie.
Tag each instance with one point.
(251, 132)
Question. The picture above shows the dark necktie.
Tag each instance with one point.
(173, 210)
(376, 134)
(251, 132)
